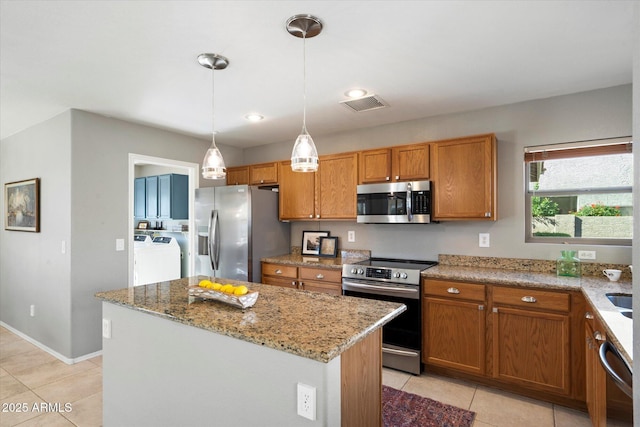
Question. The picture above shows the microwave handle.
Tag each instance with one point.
(409, 210)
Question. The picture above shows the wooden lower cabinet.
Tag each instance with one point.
(531, 348)
(528, 341)
(306, 278)
(596, 387)
(454, 324)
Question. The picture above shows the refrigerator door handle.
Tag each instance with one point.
(214, 236)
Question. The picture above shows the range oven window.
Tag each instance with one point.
(405, 330)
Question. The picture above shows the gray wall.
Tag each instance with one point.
(82, 159)
(33, 269)
(636, 209)
(596, 114)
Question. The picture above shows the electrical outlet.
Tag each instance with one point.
(307, 401)
(351, 236)
(32, 310)
(587, 254)
(484, 240)
(106, 328)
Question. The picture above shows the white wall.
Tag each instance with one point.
(82, 159)
(595, 114)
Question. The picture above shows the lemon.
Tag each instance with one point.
(228, 288)
(240, 290)
(216, 286)
(204, 283)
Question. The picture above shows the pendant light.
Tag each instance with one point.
(213, 163)
(304, 157)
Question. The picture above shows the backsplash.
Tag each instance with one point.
(533, 265)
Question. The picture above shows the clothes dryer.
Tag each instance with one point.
(156, 261)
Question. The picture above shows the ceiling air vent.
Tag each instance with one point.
(366, 103)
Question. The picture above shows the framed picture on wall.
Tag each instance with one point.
(22, 205)
(311, 241)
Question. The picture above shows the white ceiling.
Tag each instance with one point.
(136, 60)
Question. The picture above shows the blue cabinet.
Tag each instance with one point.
(162, 197)
(140, 198)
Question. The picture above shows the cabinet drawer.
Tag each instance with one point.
(285, 282)
(530, 298)
(321, 275)
(466, 291)
(280, 270)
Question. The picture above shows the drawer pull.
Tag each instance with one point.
(278, 271)
(598, 336)
(529, 299)
(453, 290)
(588, 315)
(320, 276)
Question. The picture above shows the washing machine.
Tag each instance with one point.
(155, 260)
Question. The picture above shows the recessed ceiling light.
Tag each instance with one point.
(355, 93)
(253, 117)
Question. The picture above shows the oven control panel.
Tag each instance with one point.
(382, 274)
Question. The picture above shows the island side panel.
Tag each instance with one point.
(157, 372)
(361, 374)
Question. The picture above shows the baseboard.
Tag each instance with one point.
(54, 353)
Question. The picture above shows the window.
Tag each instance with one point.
(580, 192)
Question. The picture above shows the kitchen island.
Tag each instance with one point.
(172, 359)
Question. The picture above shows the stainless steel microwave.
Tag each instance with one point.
(394, 202)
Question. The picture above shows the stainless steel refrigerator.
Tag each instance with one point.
(237, 226)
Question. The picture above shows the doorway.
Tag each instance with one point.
(165, 166)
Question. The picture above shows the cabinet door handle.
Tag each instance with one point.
(397, 177)
(293, 283)
(278, 271)
(318, 216)
(487, 214)
(453, 290)
(529, 299)
(310, 215)
(262, 181)
(320, 276)
(388, 178)
(588, 315)
(597, 335)
(481, 307)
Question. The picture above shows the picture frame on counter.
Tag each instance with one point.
(328, 247)
(311, 241)
(22, 205)
(143, 225)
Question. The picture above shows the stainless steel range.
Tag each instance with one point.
(393, 280)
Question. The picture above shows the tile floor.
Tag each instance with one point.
(30, 375)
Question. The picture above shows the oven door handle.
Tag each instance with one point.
(389, 290)
(399, 352)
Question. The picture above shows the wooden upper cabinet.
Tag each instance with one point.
(402, 163)
(297, 193)
(410, 162)
(464, 176)
(264, 173)
(375, 166)
(336, 182)
(238, 175)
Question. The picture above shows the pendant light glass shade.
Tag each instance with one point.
(304, 156)
(213, 164)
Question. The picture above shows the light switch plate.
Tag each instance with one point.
(119, 244)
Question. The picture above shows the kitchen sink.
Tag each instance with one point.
(624, 302)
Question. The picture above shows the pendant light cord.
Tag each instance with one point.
(304, 81)
(213, 109)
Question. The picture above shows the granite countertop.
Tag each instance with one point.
(297, 259)
(619, 329)
(314, 325)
